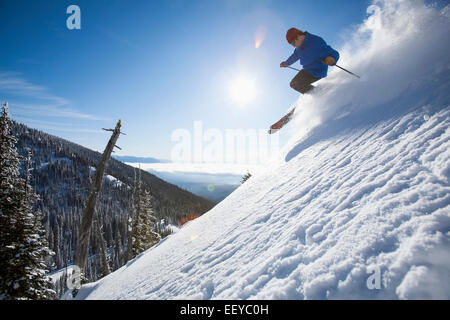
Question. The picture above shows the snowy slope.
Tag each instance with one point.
(360, 194)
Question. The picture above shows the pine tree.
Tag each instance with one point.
(246, 177)
(131, 217)
(143, 233)
(23, 245)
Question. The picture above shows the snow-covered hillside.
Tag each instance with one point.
(357, 206)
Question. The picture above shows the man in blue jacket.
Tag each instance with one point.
(315, 56)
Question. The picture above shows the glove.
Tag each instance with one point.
(329, 61)
(283, 65)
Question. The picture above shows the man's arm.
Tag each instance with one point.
(332, 56)
(327, 51)
(332, 53)
(293, 58)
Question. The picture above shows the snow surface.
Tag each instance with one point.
(107, 177)
(360, 195)
(56, 275)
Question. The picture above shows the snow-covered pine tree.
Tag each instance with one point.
(246, 177)
(23, 245)
(143, 233)
(131, 218)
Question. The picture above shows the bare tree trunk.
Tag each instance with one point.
(135, 221)
(130, 221)
(81, 251)
(105, 266)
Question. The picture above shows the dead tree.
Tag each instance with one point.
(105, 267)
(82, 248)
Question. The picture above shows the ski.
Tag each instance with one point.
(282, 122)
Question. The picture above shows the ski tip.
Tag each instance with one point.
(272, 131)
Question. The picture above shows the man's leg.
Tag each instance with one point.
(302, 82)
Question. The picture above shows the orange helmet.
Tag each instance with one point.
(291, 34)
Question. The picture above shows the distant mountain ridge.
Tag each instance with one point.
(134, 159)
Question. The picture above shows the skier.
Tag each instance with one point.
(315, 56)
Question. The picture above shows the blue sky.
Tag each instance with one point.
(156, 65)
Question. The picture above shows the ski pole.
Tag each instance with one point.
(292, 68)
(334, 65)
(347, 71)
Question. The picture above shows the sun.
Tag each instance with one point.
(243, 89)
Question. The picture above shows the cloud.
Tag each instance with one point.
(201, 168)
(50, 110)
(12, 83)
(43, 102)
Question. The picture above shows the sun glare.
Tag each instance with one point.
(243, 90)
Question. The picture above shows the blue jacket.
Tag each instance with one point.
(311, 54)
